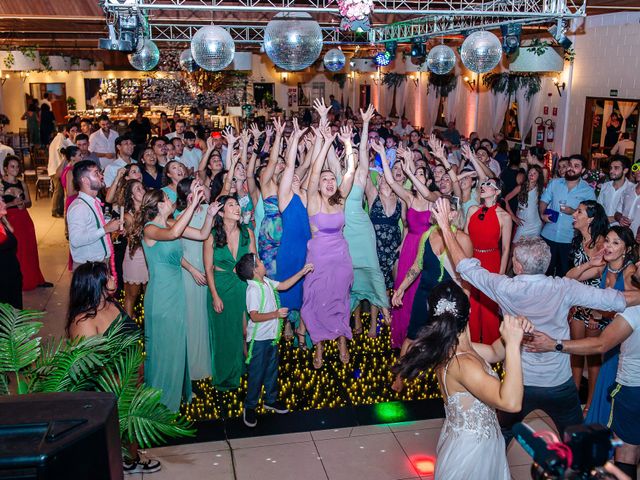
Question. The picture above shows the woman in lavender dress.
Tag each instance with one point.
(326, 302)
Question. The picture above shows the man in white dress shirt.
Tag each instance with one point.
(630, 209)
(545, 301)
(4, 151)
(124, 146)
(624, 144)
(103, 141)
(180, 126)
(89, 235)
(64, 138)
(159, 146)
(612, 192)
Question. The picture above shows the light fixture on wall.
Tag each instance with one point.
(24, 76)
(559, 86)
(415, 79)
(4, 78)
(471, 82)
(351, 76)
(375, 78)
(284, 76)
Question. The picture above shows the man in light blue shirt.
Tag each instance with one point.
(562, 197)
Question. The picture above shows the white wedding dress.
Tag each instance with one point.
(471, 445)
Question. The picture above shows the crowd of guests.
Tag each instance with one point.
(464, 247)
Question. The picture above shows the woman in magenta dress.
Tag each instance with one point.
(418, 201)
(326, 301)
(489, 227)
(16, 196)
(71, 157)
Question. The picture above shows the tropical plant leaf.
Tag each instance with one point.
(19, 347)
(149, 422)
(4, 384)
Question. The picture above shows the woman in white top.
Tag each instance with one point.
(471, 444)
(527, 218)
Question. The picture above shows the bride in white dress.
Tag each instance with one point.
(471, 444)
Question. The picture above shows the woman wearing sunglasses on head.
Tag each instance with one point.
(489, 227)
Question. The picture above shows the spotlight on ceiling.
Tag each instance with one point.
(391, 47)
(511, 37)
(558, 32)
(382, 59)
(418, 48)
(124, 31)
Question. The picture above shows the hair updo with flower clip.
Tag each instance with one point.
(437, 341)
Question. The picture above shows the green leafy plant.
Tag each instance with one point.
(109, 363)
(71, 103)
(569, 55)
(75, 61)
(45, 62)
(538, 47)
(9, 60)
(444, 84)
(509, 83)
(340, 79)
(29, 52)
(392, 79)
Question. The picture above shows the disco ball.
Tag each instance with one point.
(441, 59)
(481, 52)
(145, 58)
(334, 60)
(293, 40)
(187, 62)
(212, 48)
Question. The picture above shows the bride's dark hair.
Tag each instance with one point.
(437, 341)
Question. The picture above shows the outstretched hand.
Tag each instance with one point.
(321, 108)
(378, 146)
(229, 136)
(441, 211)
(368, 114)
(345, 134)
(278, 124)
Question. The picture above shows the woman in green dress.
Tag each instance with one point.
(195, 288)
(229, 241)
(166, 364)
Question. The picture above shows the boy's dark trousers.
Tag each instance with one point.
(263, 370)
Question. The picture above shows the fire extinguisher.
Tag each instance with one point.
(539, 132)
(550, 130)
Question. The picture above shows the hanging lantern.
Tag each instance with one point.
(146, 57)
(334, 60)
(481, 51)
(441, 59)
(293, 40)
(212, 48)
(187, 62)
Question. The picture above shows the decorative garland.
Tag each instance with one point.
(392, 79)
(340, 79)
(539, 47)
(355, 9)
(444, 84)
(509, 82)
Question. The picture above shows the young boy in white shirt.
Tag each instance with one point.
(263, 333)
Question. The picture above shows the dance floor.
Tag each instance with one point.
(346, 423)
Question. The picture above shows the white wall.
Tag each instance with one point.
(607, 57)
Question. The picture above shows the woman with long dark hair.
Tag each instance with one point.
(591, 225)
(527, 218)
(17, 202)
(226, 304)
(71, 157)
(174, 171)
(614, 266)
(471, 444)
(152, 173)
(134, 266)
(166, 365)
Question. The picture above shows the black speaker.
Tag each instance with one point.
(60, 436)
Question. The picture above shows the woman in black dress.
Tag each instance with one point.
(11, 277)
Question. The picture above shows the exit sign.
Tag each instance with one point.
(613, 93)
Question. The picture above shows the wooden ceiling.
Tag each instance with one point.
(73, 27)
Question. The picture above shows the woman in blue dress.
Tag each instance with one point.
(292, 253)
(615, 268)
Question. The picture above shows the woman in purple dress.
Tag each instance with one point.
(326, 302)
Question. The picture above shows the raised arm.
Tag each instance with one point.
(437, 148)
(203, 232)
(113, 189)
(349, 176)
(267, 173)
(313, 196)
(441, 211)
(408, 167)
(398, 189)
(202, 166)
(231, 139)
(175, 230)
(284, 189)
(303, 169)
(483, 171)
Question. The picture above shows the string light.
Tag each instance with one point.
(366, 380)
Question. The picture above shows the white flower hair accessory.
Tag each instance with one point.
(445, 305)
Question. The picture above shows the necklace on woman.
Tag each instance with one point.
(613, 270)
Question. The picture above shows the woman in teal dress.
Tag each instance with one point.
(195, 288)
(368, 280)
(166, 364)
(174, 171)
(226, 305)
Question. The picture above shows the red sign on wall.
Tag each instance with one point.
(555, 111)
(545, 110)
